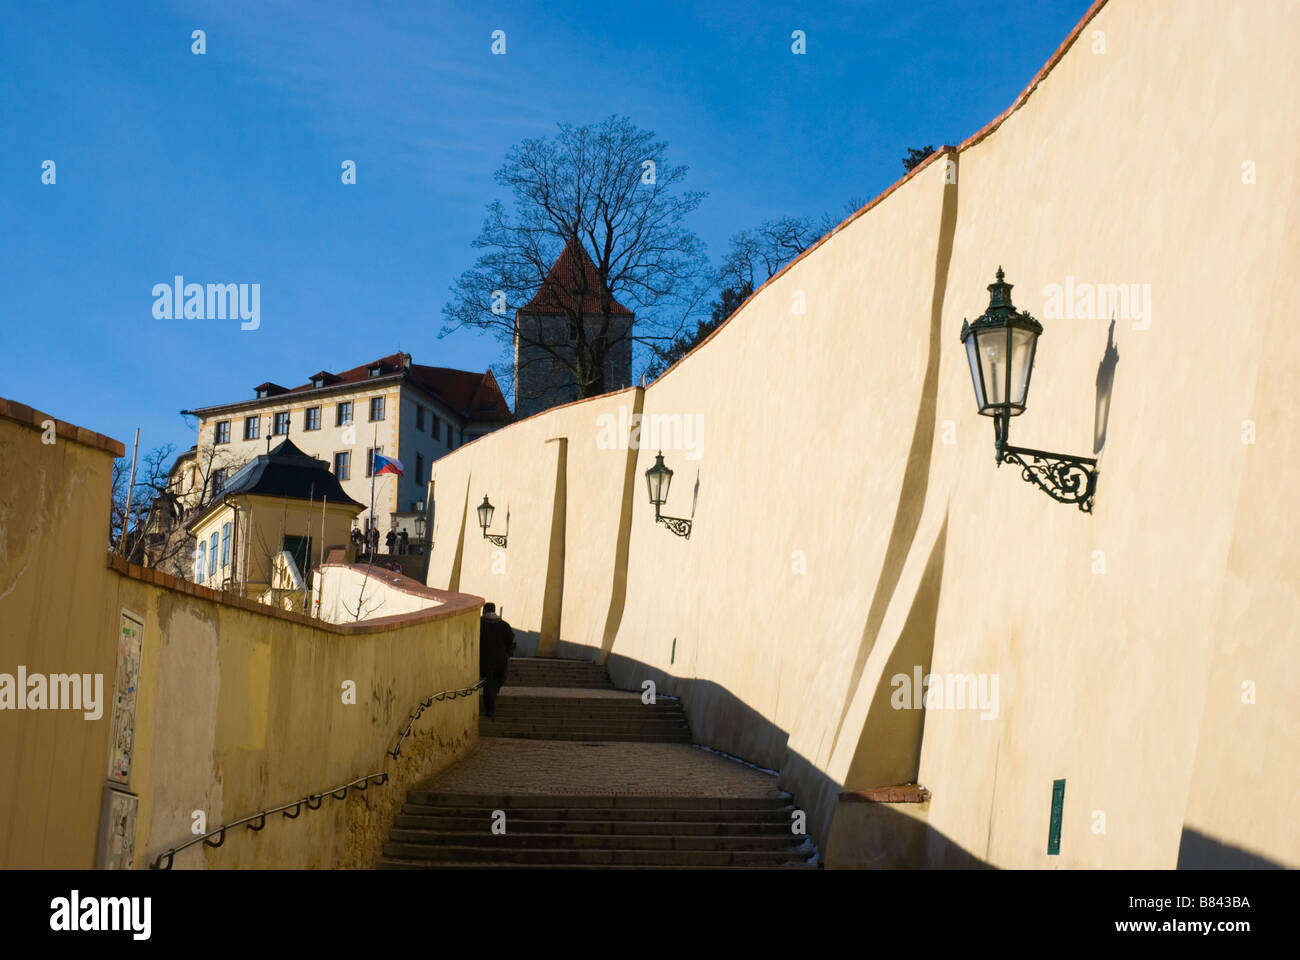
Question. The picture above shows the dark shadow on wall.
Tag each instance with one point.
(735, 728)
(911, 496)
(1105, 386)
(453, 582)
(1196, 851)
(889, 747)
(618, 586)
(553, 593)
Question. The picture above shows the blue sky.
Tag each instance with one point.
(226, 167)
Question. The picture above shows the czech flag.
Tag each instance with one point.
(385, 465)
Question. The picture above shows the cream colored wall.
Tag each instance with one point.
(843, 442)
(525, 579)
(378, 592)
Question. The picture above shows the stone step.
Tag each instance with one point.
(525, 711)
(601, 840)
(595, 737)
(645, 827)
(392, 863)
(555, 855)
(630, 722)
(553, 815)
(495, 801)
(579, 698)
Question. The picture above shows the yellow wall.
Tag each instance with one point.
(240, 707)
(851, 523)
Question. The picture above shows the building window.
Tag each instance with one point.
(300, 549)
(437, 428)
(370, 458)
(223, 431)
(343, 466)
(218, 479)
(376, 408)
(212, 555)
(225, 546)
(252, 427)
(419, 417)
(313, 418)
(451, 437)
(376, 370)
(419, 468)
(200, 561)
(343, 416)
(281, 424)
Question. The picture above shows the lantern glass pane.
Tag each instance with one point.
(994, 358)
(485, 512)
(972, 357)
(1022, 363)
(658, 478)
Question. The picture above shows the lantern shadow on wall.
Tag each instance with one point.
(1000, 348)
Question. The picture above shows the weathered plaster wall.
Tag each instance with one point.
(54, 515)
(851, 525)
(245, 711)
(240, 707)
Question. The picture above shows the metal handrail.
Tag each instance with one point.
(338, 793)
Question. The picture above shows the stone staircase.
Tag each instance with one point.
(572, 773)
(439, 830)
(549, 672)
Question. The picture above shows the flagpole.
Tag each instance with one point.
(374, 526)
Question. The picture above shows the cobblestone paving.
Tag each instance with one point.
(499, 765)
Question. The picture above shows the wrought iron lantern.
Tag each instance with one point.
(485, 511)
(420, 522)
(1000, 348)
(658, 478)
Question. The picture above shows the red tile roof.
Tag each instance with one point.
(473, 395)
(559, 292)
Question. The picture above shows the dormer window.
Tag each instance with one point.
(376, 370)
(262, 393)
(318, 382)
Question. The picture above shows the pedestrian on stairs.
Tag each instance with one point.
(496, 644)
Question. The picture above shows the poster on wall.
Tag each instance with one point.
(117, 830)
(126, 685)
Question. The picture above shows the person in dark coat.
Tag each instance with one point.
(496, 644)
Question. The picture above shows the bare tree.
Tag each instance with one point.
(605, 191)
(160, 504)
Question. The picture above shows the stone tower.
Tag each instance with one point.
(551, 318)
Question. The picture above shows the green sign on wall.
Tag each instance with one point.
(1054, 830)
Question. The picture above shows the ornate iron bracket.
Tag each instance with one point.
(1064, 478)
(676, 524)
(497, 538)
